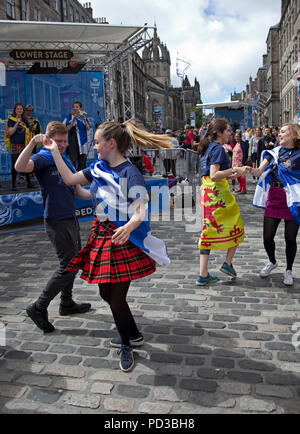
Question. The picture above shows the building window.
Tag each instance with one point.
(56, 5)
(65, 7)
(36, 14)
(10, 8)
(24, 10)
(71, 14)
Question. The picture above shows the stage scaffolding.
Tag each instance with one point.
(99, 47)
(245, 105)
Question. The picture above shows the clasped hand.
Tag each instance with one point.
(242, 171)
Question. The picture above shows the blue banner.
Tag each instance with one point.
(52, 97)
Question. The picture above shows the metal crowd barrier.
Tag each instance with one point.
(178, 162)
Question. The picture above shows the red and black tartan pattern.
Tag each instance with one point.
(101, 261)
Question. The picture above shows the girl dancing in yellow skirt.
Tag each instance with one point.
(222, 225)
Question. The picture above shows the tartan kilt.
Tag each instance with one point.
(101, 261)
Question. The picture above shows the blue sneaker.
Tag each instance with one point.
(230, 271)
(202, 281)
(127, 361)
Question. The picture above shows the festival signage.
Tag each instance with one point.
(40, 55)
(48, 61)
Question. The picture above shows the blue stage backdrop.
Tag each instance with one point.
(52, 97)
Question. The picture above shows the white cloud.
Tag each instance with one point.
(224, 39)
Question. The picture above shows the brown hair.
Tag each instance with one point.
(77, 102)
(261, 132)
(54, 128)
(132, 132)
(214, 127)
(295, 132)
(14, 114)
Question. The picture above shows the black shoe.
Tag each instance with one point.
(74, 308)
(40, 319)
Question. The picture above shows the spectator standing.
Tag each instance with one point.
(189, 137)
(78, 126)
(35, 125)
(275, 138)
(253, 148)
(17, 137)
(265, 143)
(148, 168)
(239, 158)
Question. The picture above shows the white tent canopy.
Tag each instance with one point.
(227, 104)
(99, 41)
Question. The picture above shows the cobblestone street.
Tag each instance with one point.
(227, 348)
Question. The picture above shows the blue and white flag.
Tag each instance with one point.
(291, 183)
(114, 202)
(81, 133)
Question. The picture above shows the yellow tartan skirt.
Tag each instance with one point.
(222, 225)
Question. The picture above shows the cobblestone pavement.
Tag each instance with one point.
(227, 348)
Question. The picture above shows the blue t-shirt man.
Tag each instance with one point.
(61, 226)
(58, 198)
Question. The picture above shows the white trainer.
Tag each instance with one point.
(288, 278)
(266, 272)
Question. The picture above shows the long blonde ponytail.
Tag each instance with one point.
(133, 132)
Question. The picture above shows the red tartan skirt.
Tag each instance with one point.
(101, 261)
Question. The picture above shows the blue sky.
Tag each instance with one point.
(223, 39)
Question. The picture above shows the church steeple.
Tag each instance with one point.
(157, 59)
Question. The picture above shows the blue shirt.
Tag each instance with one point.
(287, 157)
(215, 154)
(125, 171)
(58, 198)
(19, 137)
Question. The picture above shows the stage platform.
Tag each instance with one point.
(26, 204)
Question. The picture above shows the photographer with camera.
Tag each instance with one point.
(78, 126)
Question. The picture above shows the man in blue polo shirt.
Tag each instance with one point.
(61, 223)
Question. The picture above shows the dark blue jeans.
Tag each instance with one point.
(65, 238)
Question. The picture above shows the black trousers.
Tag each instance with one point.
(65, 238)
(14, 158)
(78, 160)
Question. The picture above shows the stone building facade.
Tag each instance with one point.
(289, 46)
(46, 10)
(277, 88)
(272, 104)
(154, 101)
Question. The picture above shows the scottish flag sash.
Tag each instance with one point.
(113, 200)
(291, 183)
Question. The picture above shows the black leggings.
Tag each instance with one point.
(291, 232)
(115, 295)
